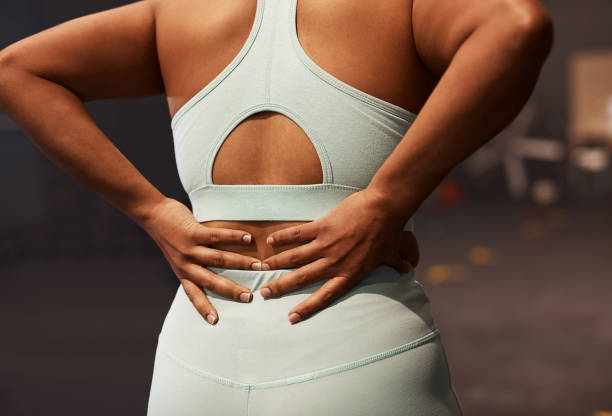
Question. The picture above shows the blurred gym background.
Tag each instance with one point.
(516, 248)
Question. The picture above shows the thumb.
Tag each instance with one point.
(400, 264)
(406, 266)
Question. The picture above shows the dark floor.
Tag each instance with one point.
(523, 297)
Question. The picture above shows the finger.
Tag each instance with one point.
(296, 279)
(400, 264)
(295, 234)
(402, 254)
(200, 301)
(201, 234)
(221, 258)
(322, 298)
(218, 284)
(293, 257)
(409, 247)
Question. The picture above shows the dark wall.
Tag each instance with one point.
(578, 25)
(42, 203)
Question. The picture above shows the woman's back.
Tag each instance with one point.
(365, 340)
(366, 45)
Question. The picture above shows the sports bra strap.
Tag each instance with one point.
(269, 202)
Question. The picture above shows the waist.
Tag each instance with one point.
(263, 209)
(255, 342)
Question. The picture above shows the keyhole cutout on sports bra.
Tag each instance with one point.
(267, 148)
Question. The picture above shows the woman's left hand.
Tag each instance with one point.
(343, 246)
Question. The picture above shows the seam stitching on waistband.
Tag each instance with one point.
(247, 402)
(306, 376)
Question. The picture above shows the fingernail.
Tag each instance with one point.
(294, 317)
(210, 318)
(245, 297)
(265, 266)
(246, 238)
(265, 292)
(270, 240)
(256, 265)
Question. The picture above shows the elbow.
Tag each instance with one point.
(9, 65)
(529, 26)
(8, 59)
(536, 27)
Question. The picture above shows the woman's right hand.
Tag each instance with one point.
(183, 241)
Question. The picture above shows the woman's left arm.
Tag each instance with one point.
(488, 54)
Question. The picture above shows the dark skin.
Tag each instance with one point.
(466, 68)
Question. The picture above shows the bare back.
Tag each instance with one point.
(177, 47)
(366, 44)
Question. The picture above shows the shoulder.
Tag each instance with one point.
(441, 26)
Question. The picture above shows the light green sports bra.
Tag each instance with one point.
(353, 132)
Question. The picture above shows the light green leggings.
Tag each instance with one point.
(375, 351)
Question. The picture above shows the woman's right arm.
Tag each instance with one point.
(44, 81)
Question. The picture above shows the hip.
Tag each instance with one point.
(253, 344)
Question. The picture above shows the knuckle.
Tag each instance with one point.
(192, 232)
(307, 310)
(187, 227)
(351, 271)
(190, 296)
(182, 267)
(199, 304)
(301, 279)
(217, 259)
(325, 244)
(188, 292)
(327, 295)
(294, 257)
(214, 236)
(189, 253)
(211, 284)
(184, 252)
(204, 235)
(333, 259)
(201, 237)
(323, 227)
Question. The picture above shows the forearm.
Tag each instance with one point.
(487, 82)
(57, 121)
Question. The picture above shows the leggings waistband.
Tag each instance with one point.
(254, 279)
